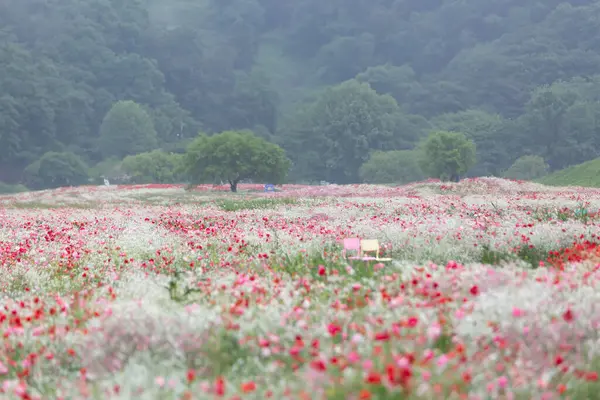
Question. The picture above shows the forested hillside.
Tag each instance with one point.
(328, 80)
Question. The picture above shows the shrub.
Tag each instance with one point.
(153, 167)
(392, 167)
(55, 170)
(6, 188)
(527, 168)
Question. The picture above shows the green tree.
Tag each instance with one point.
(55, 170)
(389, 79)
(333, 136)
(127, 129)
(6, 188)
(547, 110)
(344, 57)
(235, 156)
(447, 155)
(487, 131)
(561, 123)
(527, 168)
(400, 166)
(253, 102)
(153, 167)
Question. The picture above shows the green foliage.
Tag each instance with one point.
(532, 255)
(234, 156)
(494, 257)
(399, 82)
(179, 291)
(222, 351)
(545, 214)
(153, 167)
(547, 120)
(333, 136)
(586, 174)
(254, 204)
(527, 168)
(484, 129)
(588, 389)
(306, 264)
(55, 170)
(6, 188)
(444, 343)
(400, 167)
(126, 129)
(109, 168)
(447, 155)
(280, 69)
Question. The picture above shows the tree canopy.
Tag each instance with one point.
(333, 136)
(527, 168)
(153, 167)
(234, 156)
(126, 129)
(447, 155)
(56, 169)
(399, 167)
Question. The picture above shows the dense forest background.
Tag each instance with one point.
(328, 80)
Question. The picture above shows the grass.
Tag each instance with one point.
(303, 264)
(586, 174)
(36, 205)
(253, 204)
(531, 255)
(579, 213)
(587, 389)
(494, 257)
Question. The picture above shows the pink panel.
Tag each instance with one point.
(351, 244)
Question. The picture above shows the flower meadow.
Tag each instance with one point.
(157, 292)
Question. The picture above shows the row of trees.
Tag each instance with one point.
(129, 144)
(328, 81)
(339, 147)
(332, 135)
(236, 156)
(128, 141)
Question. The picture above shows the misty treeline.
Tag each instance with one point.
(330, 81)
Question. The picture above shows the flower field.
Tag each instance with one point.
(155, 292)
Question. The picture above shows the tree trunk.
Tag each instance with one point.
(233, 186)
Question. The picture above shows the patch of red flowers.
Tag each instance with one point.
(578, 252)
